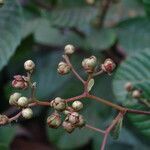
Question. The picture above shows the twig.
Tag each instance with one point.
(95, 129)
(72, 68)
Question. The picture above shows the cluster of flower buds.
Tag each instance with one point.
(73, 118)
(135, 93)
(22, 82)
(89, 64)
(108, 66)
(63, 68)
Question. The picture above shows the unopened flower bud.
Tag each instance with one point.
(14, 98)
(29, 65)
(108, 66)
(19, 82)
(23, 101)
(81, 122)
(58, 104)
(136, 94)
(3, 119)
(27, 113)
(63, 68)
(73, 118)
(54, 120)
(68, 110)
(77, 105)
(128, 86)
(90, 2)
(69, 49)
(89, 64)
(68, 126)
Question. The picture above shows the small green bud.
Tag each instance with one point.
(14, 98)
(54, 120)
(27, 113)
(77, 105)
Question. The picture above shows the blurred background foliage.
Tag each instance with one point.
(38, 30)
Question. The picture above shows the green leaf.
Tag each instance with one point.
(133, 35)
(135, 70)
(101, 39)
(10, 30)
(115, 132)
(7, 134)
(147, 6)
(72, 17)
(3, 147)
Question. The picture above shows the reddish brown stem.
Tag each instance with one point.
(15, 117)
(95, 129)
(72, 68)
(107, 131)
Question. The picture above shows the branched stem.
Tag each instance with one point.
(95, 129)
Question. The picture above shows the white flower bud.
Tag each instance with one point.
(14, 98)
(68, 126)
(54, 120)
(58, 104)
(77, 105)
(68, 110)
(27, 113)
(89, 64)
(128, 86)
(69, 49)
(29, 65)
(81, 122)
(63, 68)
(23, 101)
(136, 94)
(73, 118)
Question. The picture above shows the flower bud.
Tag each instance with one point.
(89, 64)
(73, 118)
(63, 68)
(14, 98)
(136, 94)
(29, 65)
(128, 86)
(68, 110)
(77, 105)
(81, 122)
(23, 101)
(19, 82)
(58, 104)
(68, 126)
(108, 66)
(69, 49)
(54, 120)
(3, 119)
(27, 113)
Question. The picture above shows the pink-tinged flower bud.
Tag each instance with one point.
(89, 64)
(73, 118)
(108, 66)
(3, 119)
(128, 86)
(68, 126)
(69, 49)
(20, 82)
(54, 120)
(63, 68)
(81, 122)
